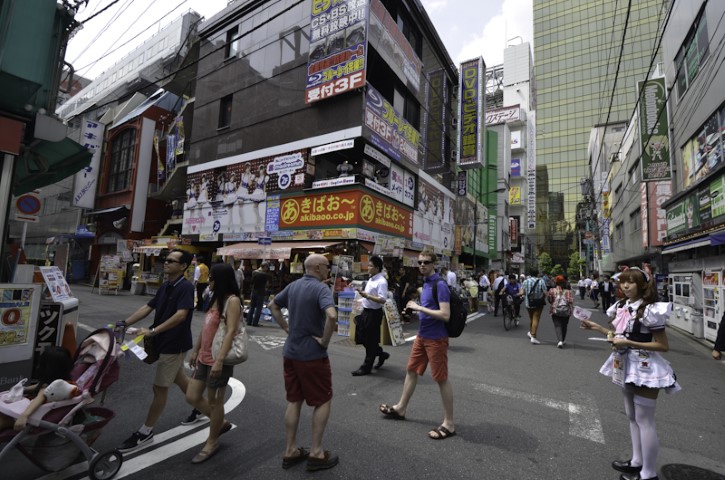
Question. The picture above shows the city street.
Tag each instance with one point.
(523, 411)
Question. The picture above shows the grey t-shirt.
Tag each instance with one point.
(306, 300)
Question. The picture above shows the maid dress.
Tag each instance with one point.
(203, 193)
(644, 368)
(243, 190)
(259, 195)
(190, 199)
(230, 193)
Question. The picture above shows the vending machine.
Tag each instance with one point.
(713, 284)
(683, 301)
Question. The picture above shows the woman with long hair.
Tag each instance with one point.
(210, 372)
(636, 366)
(561, 304)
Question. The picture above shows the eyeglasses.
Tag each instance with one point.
(424, 262)
(171, 260)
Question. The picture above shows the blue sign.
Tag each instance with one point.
(264, 240)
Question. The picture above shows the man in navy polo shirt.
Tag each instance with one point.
(171, 330)
(431, 346)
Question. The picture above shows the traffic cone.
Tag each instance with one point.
(69, 339)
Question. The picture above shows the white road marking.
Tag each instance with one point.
(268, 342)
(583, 419)
(154, 456)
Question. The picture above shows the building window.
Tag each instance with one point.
(122, 150)
(225, 112)
(692, 54)
(410, 32)
(619, 232)
(634, 174)
(231, 48)
(635, 219)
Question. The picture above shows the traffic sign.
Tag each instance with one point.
(28, 207)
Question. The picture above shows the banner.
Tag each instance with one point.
(653, 130)
(338, 47)
(434, 124)
(388, 130)
(85, 182)
(471, 98)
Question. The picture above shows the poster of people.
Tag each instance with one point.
(233, 199)
(56, 283)
(16, 313)
(433, 216)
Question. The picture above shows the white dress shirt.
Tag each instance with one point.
(377, 286)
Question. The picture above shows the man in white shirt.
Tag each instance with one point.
(451, 278)
(368, 323)
(499, 285)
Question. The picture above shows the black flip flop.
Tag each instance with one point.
(442, 433)
(390, 412)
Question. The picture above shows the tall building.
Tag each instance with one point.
(578, 65)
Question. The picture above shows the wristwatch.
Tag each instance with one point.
(152, 331)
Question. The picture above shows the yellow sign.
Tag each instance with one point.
(515, 196)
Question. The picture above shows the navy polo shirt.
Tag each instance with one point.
(171, 298)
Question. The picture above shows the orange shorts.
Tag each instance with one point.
(433, 351)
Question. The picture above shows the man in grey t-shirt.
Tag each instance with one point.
(307, 373)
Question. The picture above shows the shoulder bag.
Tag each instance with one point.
(238, 351)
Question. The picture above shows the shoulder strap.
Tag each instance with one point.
(226, 304)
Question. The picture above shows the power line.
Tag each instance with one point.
(99, 12)
(105, 27)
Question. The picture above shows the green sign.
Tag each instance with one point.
(717, 197)
(653, 130)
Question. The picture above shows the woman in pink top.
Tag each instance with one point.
(208, 372)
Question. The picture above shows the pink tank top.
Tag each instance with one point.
(211, 324)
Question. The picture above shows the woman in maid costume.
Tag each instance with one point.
(637, 366)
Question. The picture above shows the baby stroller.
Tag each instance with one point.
(58, 432)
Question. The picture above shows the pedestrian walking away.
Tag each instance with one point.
(208, 372)
(606, 291)
(534, 293)
(259, 292)
(374, 297)
(561, 303)
(171, 334)
(499, 284)
(636, 366)
(201, 281)
(307, 373)
(582, 286)
(430, 346)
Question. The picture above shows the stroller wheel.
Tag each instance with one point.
(105, 465)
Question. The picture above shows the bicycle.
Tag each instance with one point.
(509, 318)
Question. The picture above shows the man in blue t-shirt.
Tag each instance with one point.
(307, 372)
(430, 346)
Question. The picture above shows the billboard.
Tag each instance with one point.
(472, 97)
(85, 182)
(434, 124)
(388, 130)
(338, 48)
(653, 130)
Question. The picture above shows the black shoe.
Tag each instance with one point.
(194, 416)
(360, 372)
(625, 466)
(381, 359)
(136, 440)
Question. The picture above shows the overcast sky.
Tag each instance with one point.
(468, 28)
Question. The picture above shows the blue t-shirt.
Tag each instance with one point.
(170, 298)
(432, 328)
(306, 300)
(513, 288)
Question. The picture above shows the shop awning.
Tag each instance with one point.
(106, 210)
(699, 242)
(46, 163)
(275, 251)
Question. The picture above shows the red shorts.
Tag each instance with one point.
(310, 381)
(433, 351)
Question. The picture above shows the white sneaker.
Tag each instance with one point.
(560, 345)
(534, 341)
(528, 334)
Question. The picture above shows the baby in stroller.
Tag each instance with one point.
(58, 424)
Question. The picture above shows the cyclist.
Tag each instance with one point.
(514, 290)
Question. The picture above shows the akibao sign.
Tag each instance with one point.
(653, 130)
(470, 136)
(345, 208)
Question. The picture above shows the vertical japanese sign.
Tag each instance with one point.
(644, 213)
(659, 193)
(85, 181)
(472, 98)
(338, 47)
(434, 124)
(653, 130)
(531, 172)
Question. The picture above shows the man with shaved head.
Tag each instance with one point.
(307, 373)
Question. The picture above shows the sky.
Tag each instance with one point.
(468, 28)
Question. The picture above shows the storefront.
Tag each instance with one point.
(149, 270)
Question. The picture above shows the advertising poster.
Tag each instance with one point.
(717, 196)
(688, 164)
(434, 121)
(16, 306)
(433, 216)
(57, 285)
(659, 192)
(515, 195)
(704, 203)
(233, 200)
(338, 48)
(388, 130)
(653, 130)
(515, 167)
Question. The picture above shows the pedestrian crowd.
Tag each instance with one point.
(636, 333)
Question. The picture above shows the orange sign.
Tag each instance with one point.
(345, 208)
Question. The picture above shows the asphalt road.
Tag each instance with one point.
(522, 411)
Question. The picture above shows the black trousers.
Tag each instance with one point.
(200, 287)
(606, 300)
(370, 321)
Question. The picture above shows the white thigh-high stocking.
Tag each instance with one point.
(634, 432)
(645, 414)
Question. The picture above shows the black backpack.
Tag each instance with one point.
(459, 310)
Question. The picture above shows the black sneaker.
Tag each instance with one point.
(194, 416)
(136, 440)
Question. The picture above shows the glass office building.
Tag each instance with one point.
(576, 56)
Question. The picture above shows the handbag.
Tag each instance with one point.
(149, 345)
(238, 351)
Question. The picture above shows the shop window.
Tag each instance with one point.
(122, 152)
(225, 112)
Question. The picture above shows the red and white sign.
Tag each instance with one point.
(28, 207)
